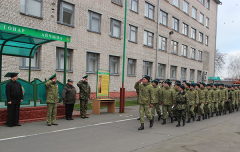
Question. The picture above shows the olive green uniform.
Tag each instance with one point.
(236, 98)
(155, 100)
(216, 99)
(193, 100)
(52, 97)
(202, 92)
(233, 95)
(181, 105)
(207, 107)
(167, 99)
(223, 98)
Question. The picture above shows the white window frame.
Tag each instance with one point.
(24, 7)
(162, 43)
(175, 24)
(200, 55)
(201, 37)
(61, 9)
(192, 74)
(208, 4)
(149, 7)
(207, 22)
(185, 28)
(184, 50)
(183, 73)
(206, 40)
(173, 68)
(193, 33)
(185, 6)
(115, 23)
(202, 1)
(147, 68)
(199, 76)
(201, 18)
(132, 2)
(92, 57)
(133, 29)
(193, 53)
(131, 67)
(60, 55)
(163, 18)
(174, 45)
(161, 70)
(93, 16)
(176, 3)
(148, 37)
(194, 13)
(112, 61)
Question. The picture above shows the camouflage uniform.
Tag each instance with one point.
(136, 86)
(145, 99)
(202, 99)
(236, 98)
(233, 94)
(228, 104)
(84, 95)
(223, 98)
(155, 100)
(167, 99)
(193, 100)
(207, 107)
(181, 105)
(175, 93)
(52, 97)
(216, 99)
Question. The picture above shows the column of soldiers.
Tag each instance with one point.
(186, 100)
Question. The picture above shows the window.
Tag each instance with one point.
(94, 22)
(115, 28)
(163, 18)
(113, 64)
(193, 33)
(173, 72)
(131, 67)
(194, 13)
(185, 7)
(133, 33)
(199, 55)
(24, 62)
(92, 62)
(176, 3)
(185, 29)
(192, 53)
(199, 76)
(162, 43)
(184, 50)
(147, 68)
(200, 37)
(161, 70)
(175, 24)
(206, 40)
(201, 1)
(174, 47)
(148, 38)
(149, 10)
(65, 13)
(60, 59)
(208, 4)
(118, 2)
(134, 5)
(183, 73)
(201, 18)
(207, 22)
(31, 7)
(192, 73)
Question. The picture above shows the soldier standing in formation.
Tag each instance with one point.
(223, 99)
(216, 99)
(84, 95)
(52, 97)
(193, 100)
(208, 103)
(136, 86)
(202, 99)
(156, 100)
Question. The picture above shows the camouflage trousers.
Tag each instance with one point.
(233, 105)
(228, 106)
(167, 108)
(221, 105)
(155, 106)
(200, 109)
(237, 104)
(144, 108)
(207, 108)
(181, 114)
(191, 111)
(51, 113)
(215, 106)
(83, 107)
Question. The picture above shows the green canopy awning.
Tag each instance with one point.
(22, 41)
(214, 78)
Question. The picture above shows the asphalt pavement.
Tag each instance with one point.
(118, 132)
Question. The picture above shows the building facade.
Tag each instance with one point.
(181, 47)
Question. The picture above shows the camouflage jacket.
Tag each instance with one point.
(182, 101)
(84, 90)
(187, 90)
(175, 94)
(202, 93)
(167, 96)
(236, 94)
(209, 96)
(216, 95)
(136, 86)
(223, 94)
(156, 94)
(52, 92)
(233, 98)
(145, 93)
(193, 97)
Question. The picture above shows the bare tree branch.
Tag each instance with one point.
(219, 61)
(234, 66)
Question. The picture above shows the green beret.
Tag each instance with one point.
(11, 74)
(52, 76)
(86, 76)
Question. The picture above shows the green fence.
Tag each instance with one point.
(34, 93)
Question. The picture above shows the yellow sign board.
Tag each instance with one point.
(103, 77)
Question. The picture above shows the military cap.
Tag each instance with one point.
(229, 86)
(70, 80)
(53, 76)
(177, 81)
(233, 86)
(155, 81)
(215, 84)
(204, 84)
(193, 84)
(86, 76)
(147, 77)
(182, 86)
(209, 85)
(184, 81)
(11, 74)
(221, 84)
(178, 84)
(158, 80)
(198, 85)
(168, 82)
(188, 84)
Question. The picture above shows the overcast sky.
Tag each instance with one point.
(228, 29)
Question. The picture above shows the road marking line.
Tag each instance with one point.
(55, 131)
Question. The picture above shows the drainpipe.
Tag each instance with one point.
(215, 44)
(156, 75)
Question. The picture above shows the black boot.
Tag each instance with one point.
(138, 118)
(208, 115)
(230, 111)
(217, 113)
(184, 122)
(178, 125)
(225, 112)
(203, 116)
(199, 118)
(193, 118)
(159, 117)
(141, 127)
(189, 120)
(220, 113)
(212, 114)
(233, 110)
(171, 119)
(151, 122)
(164, 122)
(175, 118)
